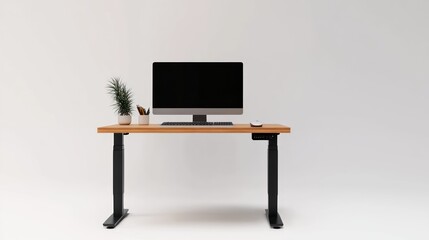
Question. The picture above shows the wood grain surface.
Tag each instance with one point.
(156, 128)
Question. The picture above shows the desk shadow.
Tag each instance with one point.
(208, 215)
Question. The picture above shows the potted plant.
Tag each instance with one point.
(123, 101)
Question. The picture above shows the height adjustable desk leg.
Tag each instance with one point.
(271, 213)
(119, 212)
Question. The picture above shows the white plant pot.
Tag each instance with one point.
(143, 119)
(124, 120)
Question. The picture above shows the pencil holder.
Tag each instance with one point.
(143, 119)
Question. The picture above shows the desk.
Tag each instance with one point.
(268, 132)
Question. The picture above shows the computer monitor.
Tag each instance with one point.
(197, 88)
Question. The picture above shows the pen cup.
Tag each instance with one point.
(143, 119)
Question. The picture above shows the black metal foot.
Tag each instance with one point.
(275, 221)
(113, 220)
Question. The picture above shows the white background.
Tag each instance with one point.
(349, 77)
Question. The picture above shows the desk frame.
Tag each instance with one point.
(119, 212)
(272, 214)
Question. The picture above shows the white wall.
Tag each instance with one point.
(349, 77)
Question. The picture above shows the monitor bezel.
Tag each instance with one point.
(198, 111)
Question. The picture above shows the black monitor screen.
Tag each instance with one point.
(197, 85)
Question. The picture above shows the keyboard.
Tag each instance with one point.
(196, 124)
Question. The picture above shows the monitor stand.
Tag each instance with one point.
(199, 118)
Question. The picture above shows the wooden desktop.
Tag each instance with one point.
(157, 128)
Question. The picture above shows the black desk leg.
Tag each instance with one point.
(119, 212)
(271, 213)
